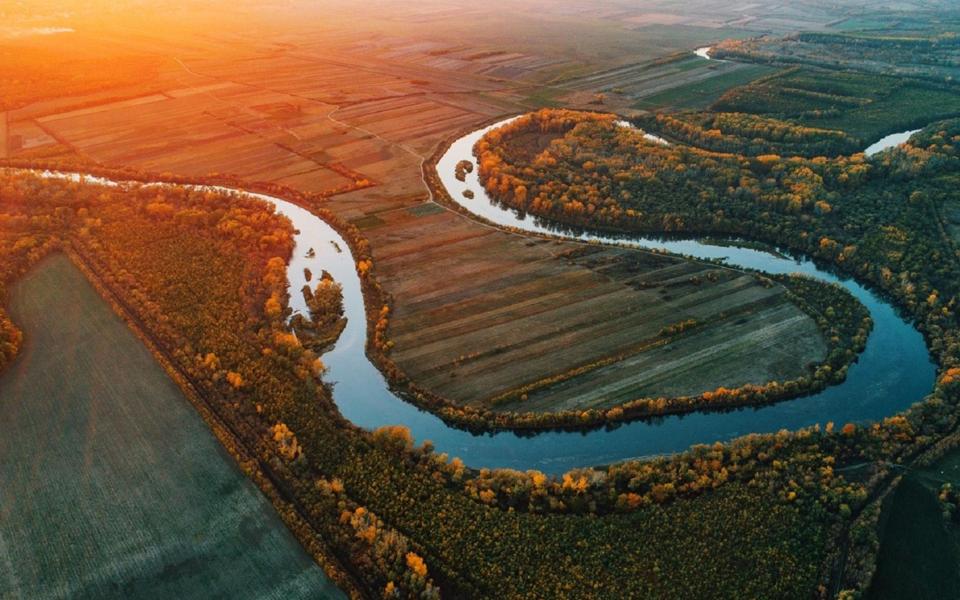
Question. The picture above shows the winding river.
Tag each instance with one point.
(893, 372)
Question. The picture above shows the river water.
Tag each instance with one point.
(890, 141)
(893, 371)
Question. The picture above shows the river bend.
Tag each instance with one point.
(893, 372)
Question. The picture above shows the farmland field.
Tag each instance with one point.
(920, 550)
(111, 484)
(864, 105)
(701, 94)
(596, 304)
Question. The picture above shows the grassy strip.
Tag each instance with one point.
(519, 393)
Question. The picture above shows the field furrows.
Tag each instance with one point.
(508, 312)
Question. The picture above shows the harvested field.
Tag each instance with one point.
(30, 136)
(305, 120)
(187, 133)
(681, 80)
(763, 345)
(701, 93)
(509, 312)
(111, 483)
(655, 19)
(647, 78)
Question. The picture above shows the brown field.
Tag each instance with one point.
(477, 312)
(625, 85)
(508, 312)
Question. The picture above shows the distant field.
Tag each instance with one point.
(864, 23)
(919, 552)
(111, 485)
(682, 79)
(703, 93)
(907, 108)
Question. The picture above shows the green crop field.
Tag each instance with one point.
(701, 94)
(920, 551)
(111, 485)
